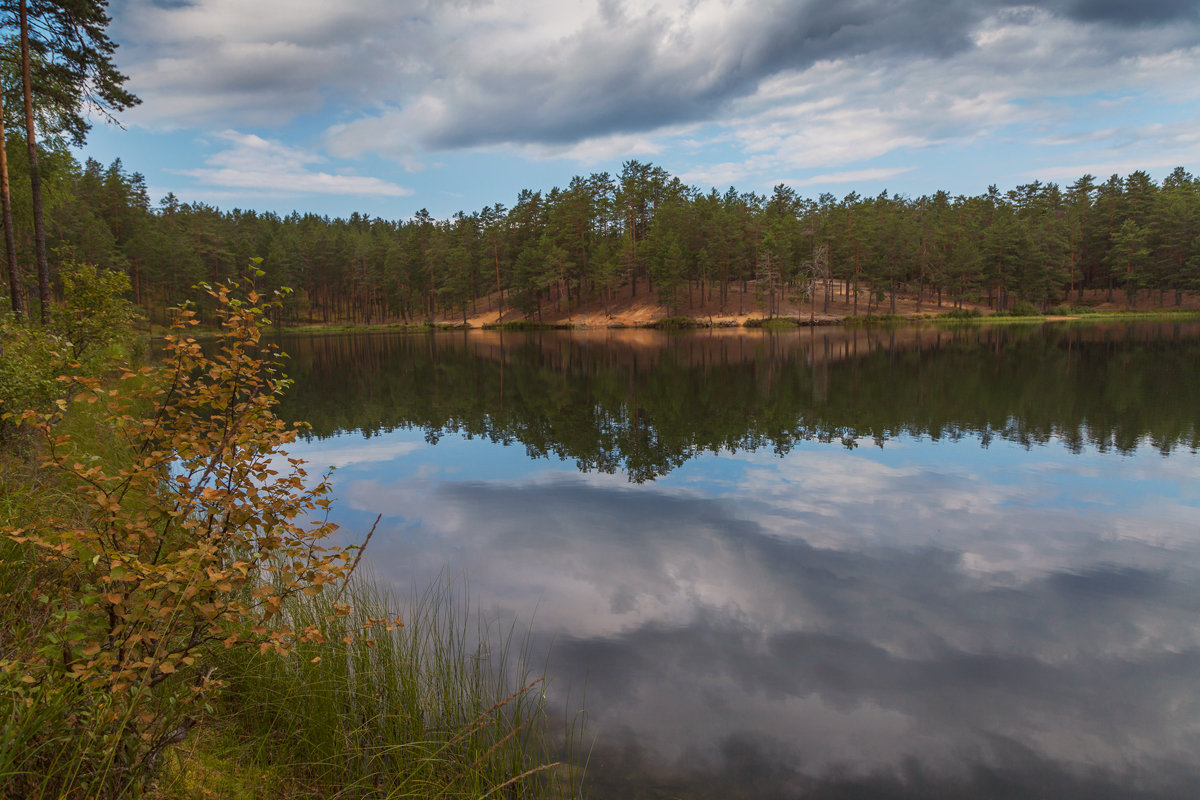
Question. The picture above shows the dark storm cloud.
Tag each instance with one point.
(445, 76)
(634, 74)
(1146, 12)
(637, 73)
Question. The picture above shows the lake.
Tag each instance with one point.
(918, 562)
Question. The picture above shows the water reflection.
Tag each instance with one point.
(644, 402)
(927, 619)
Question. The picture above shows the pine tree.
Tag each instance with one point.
(70, 40)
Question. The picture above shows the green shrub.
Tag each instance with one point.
(94, 312)
(677, 323)
(1066, 310)
(1024, 308)
(882, 320)
(93, 316)
(771, 322)
(523, 325)
(960, 313)
(31, 359)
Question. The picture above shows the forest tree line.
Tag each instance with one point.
(641, 233)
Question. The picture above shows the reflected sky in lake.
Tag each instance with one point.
(926, 618)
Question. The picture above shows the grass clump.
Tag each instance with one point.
(424, 709)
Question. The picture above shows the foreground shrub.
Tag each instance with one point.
(191, 544)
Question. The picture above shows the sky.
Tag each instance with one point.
(386, 107)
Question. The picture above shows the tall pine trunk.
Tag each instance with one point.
(35, 176)
(10, 239)
(499, 289)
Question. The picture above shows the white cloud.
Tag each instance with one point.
(319, 456)
(852, 176)
(337, 452)
(1157, 147)
(602, 148)
(722, 174)
(271, 168)
(1029, 75)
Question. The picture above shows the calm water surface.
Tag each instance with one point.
(912, 563)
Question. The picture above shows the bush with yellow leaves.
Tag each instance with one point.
(193, 543)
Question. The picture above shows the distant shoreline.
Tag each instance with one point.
(681, 323)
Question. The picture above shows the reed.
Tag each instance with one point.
(441, 706)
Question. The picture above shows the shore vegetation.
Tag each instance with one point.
(173, 597)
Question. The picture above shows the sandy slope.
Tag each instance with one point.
(627, 310)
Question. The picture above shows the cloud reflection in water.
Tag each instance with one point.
(913, 621)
